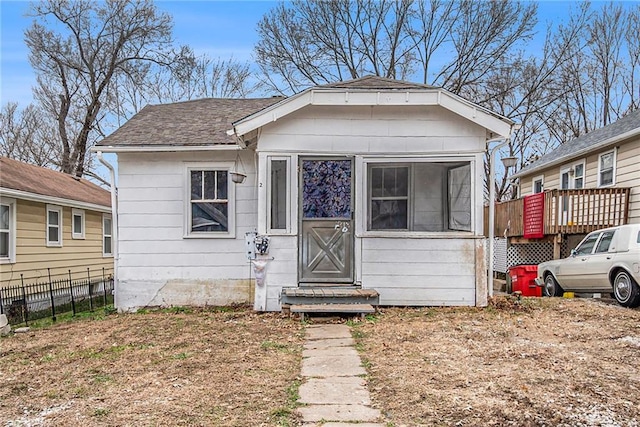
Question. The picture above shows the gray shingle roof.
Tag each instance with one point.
(375, 82)
(585, 143)
(190, 123)
(21, 176)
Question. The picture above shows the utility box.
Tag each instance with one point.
(523, 279)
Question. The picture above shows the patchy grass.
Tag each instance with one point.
(519, 362)
(227, 367)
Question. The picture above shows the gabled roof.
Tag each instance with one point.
(623, 128)
(202, 122)
(371, 90)
(22, 179)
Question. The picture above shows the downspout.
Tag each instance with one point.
(492, 206)
(114, 225)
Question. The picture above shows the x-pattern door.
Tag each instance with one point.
(326, 239)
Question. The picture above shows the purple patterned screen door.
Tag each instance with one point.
(326, 239)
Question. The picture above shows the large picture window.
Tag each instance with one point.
(210, 208)
(420, 196)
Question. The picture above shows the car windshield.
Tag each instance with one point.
(586, 247)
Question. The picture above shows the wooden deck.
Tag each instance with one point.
(567, 212)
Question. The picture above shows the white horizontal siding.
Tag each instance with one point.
(282, 271)
(152, 246)
(366, 129)
(420, 271)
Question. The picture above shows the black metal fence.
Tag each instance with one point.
(25, 302)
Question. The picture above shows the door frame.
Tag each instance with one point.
(300, 215)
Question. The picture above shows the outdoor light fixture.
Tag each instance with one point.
(509, 162)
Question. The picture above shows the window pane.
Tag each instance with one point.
(209, 185)
(53, 217)
(196, 185)
(278, 194)
(326, 190)
(579, 170)
(605, 241)
(209, 217)
(77, 224)
(395, 182)
(53, 234)
(107, 245)
(606, 161)
(107, 226)
(587, 246)
(4, 217)
(376, 182)
(222, 185)
(389, 215)
(606, 177)
(537, 187)
(4, 244)
(579, 182)
(460, 198)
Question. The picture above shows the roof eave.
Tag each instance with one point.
(34, 197)
(163, 148)
(579, 153)
(333, 96)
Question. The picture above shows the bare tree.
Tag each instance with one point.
(78, 48)
(27, 135)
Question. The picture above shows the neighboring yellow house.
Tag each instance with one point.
(51, 222)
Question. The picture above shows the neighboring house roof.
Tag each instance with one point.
(623, 128)
(201, 122)
(372, 90)
(22, 179)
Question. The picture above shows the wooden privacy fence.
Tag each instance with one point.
(566, 212)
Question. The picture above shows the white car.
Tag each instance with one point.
(606, 261)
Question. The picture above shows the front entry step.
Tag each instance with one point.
(360, 309)
(328, 295)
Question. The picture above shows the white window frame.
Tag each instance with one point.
(11, 203)
(582, 163)
(287, 229)
(74, 233)
(231, 200)
(613, 172)
(362, 186)
(105, 235)
(54, 243)
(533, 183)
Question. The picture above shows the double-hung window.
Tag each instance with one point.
(54, 225)
(7, 231)
(419, 196)
(77, 224)
(107, 235)
(210, 209)
(606, 168)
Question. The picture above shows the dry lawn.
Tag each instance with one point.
(539, 362)
(168, 368)
(535, 362)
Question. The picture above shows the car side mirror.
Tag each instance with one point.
(574, 252)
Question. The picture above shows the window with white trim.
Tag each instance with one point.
(419, 196)
(107, 235)
(210, 210)
(7, 231)
(54, 225)
(278, 194)
(607, 169)
(77, 224)
(578, 175)
(538, 184)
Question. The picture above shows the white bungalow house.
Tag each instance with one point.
(370, 185)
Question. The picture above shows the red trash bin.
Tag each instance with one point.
(523, 279)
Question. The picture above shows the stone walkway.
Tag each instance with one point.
(334, 392)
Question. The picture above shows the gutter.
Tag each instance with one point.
(114, 225)
(165, 148)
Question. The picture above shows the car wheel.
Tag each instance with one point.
(626, 290)
(551, 287)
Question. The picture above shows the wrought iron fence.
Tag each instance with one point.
(25, 302)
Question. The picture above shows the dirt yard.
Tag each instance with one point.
(539, 362)
(200, 368)
(543, 362)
